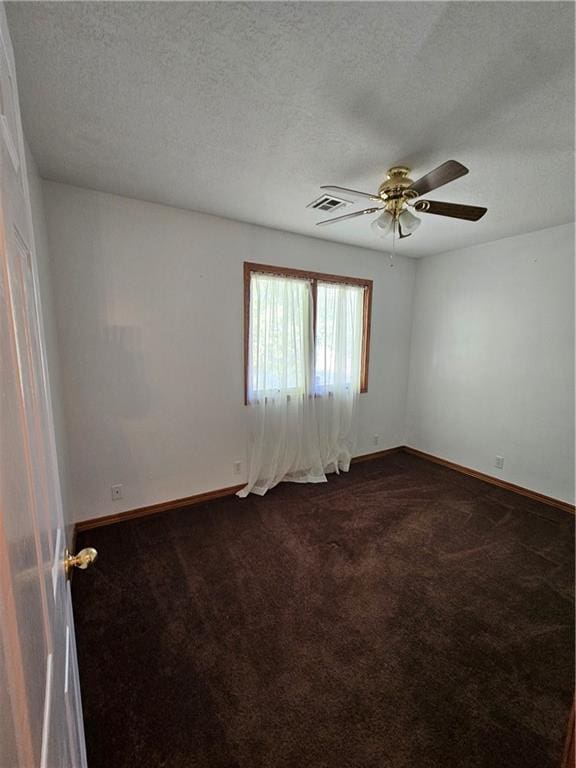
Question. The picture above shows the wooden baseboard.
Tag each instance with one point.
(189, 501)
(552, 502)
(376, 455)
(219, 493)
(153, 509)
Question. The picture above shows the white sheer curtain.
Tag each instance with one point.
(302, 387)
(339, 321)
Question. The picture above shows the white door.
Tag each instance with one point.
(40, 710)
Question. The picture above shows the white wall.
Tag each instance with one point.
(50, 334)
(149, 307)
(492, 359)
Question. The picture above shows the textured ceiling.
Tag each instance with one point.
(244, 109)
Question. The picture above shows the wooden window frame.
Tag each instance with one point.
(314, 278)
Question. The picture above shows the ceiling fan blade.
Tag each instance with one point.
(369, 195)
(446, 172)
(348, 216)
(455, 210)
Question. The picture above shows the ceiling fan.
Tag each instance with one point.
(398, 192)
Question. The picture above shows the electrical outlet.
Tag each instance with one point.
(499, 463)
(376, 439)
(237, 467)
(117, 492)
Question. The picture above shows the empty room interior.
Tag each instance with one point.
(287, 457)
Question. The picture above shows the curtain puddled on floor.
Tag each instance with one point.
(304, 362)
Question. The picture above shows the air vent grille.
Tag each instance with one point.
(327, 203)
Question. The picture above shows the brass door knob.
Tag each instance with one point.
(82, 560)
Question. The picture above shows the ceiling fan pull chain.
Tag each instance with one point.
(393, 254)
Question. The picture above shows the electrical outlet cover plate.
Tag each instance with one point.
(116, 492)
(499, 463)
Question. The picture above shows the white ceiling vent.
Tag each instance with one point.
(327, 203)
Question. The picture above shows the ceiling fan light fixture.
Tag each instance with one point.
(409, 222)
(383, 225)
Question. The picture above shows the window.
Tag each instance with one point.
(304, 331)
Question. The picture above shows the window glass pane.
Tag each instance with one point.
(339, 319)
(280, 334)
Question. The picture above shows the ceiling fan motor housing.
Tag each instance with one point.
(395, 190)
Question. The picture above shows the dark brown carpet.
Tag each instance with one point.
(400, 616)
